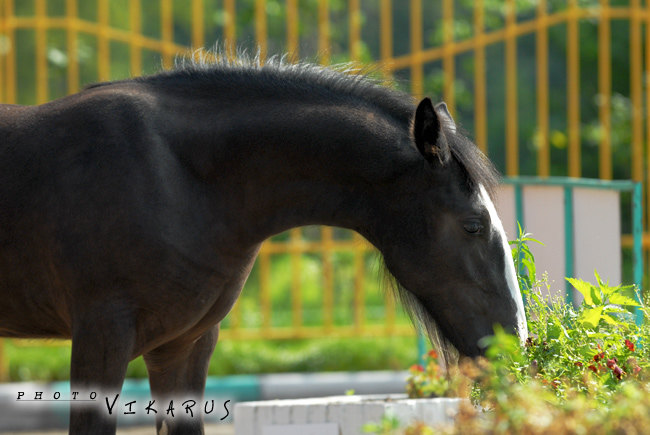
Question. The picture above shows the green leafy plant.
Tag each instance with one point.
(582, 369)
(430, 380)
(576, 348)
(603, 302)
(524, 260)
(389, 425)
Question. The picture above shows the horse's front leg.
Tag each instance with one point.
(177, 373)
(103, 337)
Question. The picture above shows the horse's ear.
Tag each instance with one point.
(427, 132)
(443, 111)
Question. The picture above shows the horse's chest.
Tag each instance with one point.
(229, 291)
(184, 314)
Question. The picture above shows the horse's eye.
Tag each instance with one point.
(473, 227)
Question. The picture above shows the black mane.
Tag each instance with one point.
(280, 79)
(277, 78)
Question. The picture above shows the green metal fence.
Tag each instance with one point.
(568, 185)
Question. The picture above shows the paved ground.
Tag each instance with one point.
(210, 429)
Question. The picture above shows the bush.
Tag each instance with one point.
(581, 370)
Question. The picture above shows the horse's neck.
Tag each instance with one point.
(279, 166)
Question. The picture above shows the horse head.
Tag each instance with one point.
(448, 250)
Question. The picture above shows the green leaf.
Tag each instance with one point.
(530, 239)
(586, 289)
(624, 296)
(618, 299)
(371, 428)
(598, 335)
(598, 280)
(590, 317)
(556, 331)
(609, 319)
(553, 331)
(501, 344)
(596, 295)
(530, 267)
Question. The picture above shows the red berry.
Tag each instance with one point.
(629, 345)
(593, 368)
(611, 363)
(599, 356)
(618, 372)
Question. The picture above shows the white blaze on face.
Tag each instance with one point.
(511, 277)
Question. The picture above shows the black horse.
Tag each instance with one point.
(131, 213)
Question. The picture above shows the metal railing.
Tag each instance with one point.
(635, 189)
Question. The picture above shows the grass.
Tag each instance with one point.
(241, 357)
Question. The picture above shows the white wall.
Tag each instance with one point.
(597, 231)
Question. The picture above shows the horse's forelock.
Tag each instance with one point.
(479, 169)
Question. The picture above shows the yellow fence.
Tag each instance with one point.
(64, 44)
